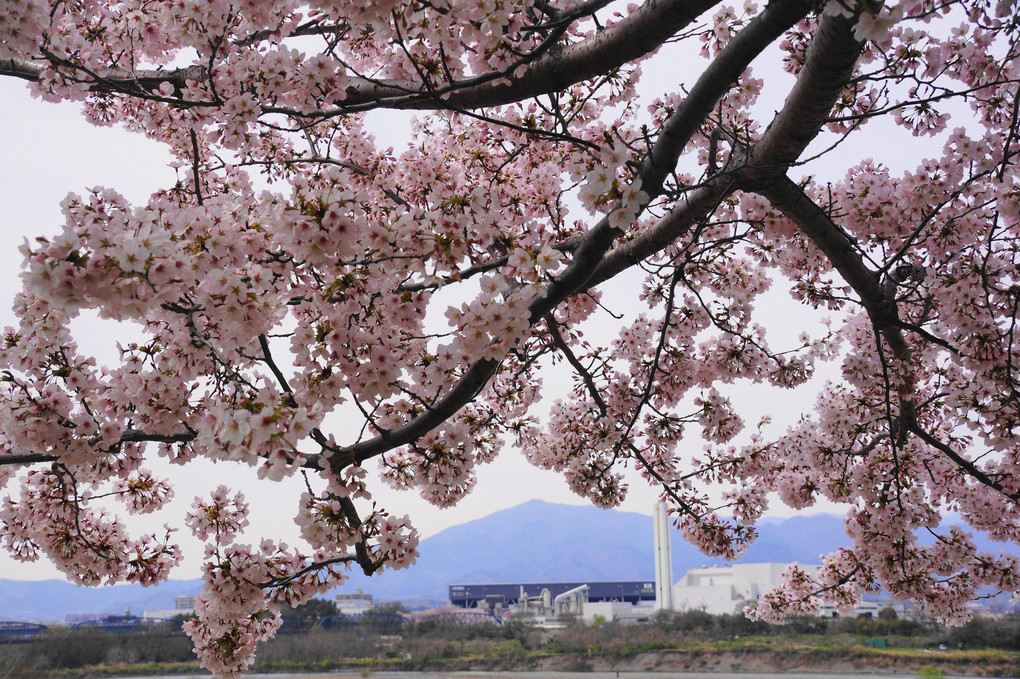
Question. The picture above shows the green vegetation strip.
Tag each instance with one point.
(690, 641)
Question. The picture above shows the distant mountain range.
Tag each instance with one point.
(533, 542)
(52, 600)
(538, 541)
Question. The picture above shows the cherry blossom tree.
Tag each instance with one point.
(296, 270)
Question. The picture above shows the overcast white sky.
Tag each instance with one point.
(49, 151)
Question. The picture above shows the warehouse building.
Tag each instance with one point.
(512, 594)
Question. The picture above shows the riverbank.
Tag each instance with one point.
(689, 642)
(705, 663)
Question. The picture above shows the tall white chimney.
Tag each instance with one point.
(663, 560)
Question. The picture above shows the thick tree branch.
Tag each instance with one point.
(828, 66)
(790, 199)
(28, 458)
(18, 68)
(590, 264)
(692, 208)
(136, 436)
(141, 83)
(880, 306)
(633, 37)
(129, 436)
(716, 80)
(267, 356)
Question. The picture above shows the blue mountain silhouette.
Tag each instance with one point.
(533, 542)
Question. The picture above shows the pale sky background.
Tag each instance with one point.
(49, 150)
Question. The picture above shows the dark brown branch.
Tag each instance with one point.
(610, 48)
(625, 41)
(314, 566)
(136, 436)
(17, 68)
(267, 357)
(590, 264)
(717, 79)
(910, 423)
(27, 458)
(129, 436)
(140, 83)
(583, 372)
(815, 223)
(360, 550)
(194, 166)
(693, 207)
(828, 66)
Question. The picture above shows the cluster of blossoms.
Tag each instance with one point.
(90, 546)
(424, 292)
(604, 189)
(244, 585)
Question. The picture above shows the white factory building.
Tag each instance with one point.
(721, 590)
(726, 589)
(713, 589)
(184, 604)
(717, 590)
(353, 604)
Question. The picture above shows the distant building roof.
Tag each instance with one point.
(469, 596)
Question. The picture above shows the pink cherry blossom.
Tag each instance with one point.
(422, 309)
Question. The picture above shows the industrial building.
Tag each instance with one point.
(353, 604)
(726, 589)
(511, 594)
(184, 604)
(547, 601)
(715, 590)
